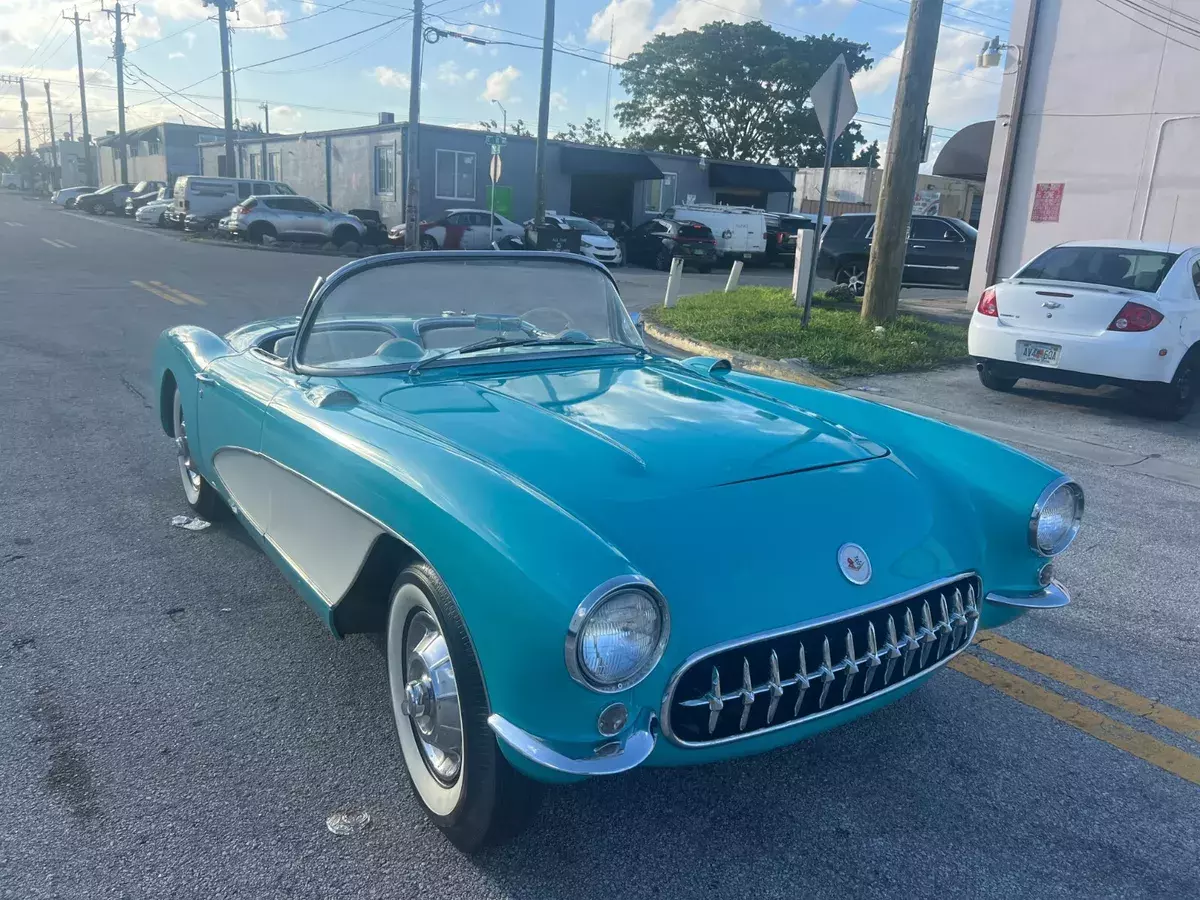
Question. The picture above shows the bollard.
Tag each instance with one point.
(673, 282)
(735, 272)
(805, 242)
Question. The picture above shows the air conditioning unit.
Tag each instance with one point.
(386, 118)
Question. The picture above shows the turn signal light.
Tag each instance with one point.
(987, 303)
(1135, 317)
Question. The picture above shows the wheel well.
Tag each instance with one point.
(364, 609)
(345, 229)
(263, 228)
(166, 402)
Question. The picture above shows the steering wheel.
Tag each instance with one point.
(399, 349)
(550, 309)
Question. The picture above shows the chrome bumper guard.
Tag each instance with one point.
(610, 758)
(1053, 596)
(696, 711)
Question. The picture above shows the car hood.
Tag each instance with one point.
(602, 241)
(653, 430)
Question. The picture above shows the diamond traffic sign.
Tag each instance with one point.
(833, 99)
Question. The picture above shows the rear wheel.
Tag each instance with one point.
(993, 382)
(854, 275)
(457, 770)
(1175, 400)
(662, 261)
(343, 235)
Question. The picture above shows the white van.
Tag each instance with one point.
(741, 231)
(205, 196)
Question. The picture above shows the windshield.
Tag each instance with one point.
(584, 225)
(430, 311)
(1119, 267)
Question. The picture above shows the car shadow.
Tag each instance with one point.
(1123, 406)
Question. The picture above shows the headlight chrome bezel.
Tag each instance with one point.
(594, 601)
(1039, 506)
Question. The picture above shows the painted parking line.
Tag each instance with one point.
(59, 244)
(1117, 734)
(178, 293)
(14, 224)
(1064, 673)
(156, 292)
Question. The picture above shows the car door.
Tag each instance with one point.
(934, 254)
(231, 399)
(455, 231)
(638, 241)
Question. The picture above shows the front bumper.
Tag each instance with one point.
(1108, 357)
(1052, 596)
(609, 758)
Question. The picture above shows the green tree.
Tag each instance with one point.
(735, 92)
(5, 162)
(590, 132)
(519, 128)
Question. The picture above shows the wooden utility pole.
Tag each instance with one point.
(890, 242)
(55, 178)
(89, 175)
(539, 207)
(119, 16)
(11, 79)
(223, 9)
(412, 139)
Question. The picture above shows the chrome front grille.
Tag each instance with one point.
(768, 682)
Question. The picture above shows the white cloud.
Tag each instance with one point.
(178, 54)
(448, 73)
(633, 22)
(258, 13)
(390, 77)
(491, 8)
(558, 100)
(285, 118)
(499, 84)
(309, 7)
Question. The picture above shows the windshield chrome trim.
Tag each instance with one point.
(322, 290)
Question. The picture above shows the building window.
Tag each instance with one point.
(274, 166)
(660, 195)
(454, 175)
(385, 170)
(255, 165)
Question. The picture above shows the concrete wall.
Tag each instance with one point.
(847, 184)
(1111, 112)
(161, 155)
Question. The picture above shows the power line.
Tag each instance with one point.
(346, 37)
(168, 37)
(1142, 24)
(324, 10)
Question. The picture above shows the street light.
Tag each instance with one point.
(989, 55)
(504, 130)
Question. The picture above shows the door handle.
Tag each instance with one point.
(205, 379)
(918, 246)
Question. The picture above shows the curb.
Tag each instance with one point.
(201, 238)
(759, 365)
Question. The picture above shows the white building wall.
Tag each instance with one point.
(1099, 91)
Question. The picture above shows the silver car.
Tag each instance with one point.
(293, 218)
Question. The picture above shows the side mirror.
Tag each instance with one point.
(636, 317)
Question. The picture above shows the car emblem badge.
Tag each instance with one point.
(854, 563)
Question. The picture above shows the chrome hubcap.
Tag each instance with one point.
(431, 698)
(191, 478)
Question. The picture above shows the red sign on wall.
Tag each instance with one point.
(1047, 202)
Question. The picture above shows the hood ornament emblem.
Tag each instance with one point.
(854, 563)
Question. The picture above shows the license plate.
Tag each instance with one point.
(698, 252)
(746, 255)
(1034, 352)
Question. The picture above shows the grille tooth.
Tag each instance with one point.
(927, 634)
(873, 655)
(715, 703)
(910, 641)
(775, 687)
(826, 673)
(746, 693)
(801, 682)
(947, 616)
(893, 650)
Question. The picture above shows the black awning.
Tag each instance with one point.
(757, 178)
(601, 161)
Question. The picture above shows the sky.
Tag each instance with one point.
(173, 59)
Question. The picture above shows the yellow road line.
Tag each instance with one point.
(1179, 722)
(158, 293)
(178, 293)
(1151, 750)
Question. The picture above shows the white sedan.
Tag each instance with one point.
(1089, 313)
(461, 229)
(154, 212)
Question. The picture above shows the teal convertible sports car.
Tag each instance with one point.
(582, 557)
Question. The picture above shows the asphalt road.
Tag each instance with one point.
(176, 723)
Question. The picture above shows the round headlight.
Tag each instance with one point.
(617, 635)
(1055, 519)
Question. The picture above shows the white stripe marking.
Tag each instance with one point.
(53, 244)
(63, 243)
(14, 224)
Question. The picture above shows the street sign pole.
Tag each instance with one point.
(492, 205)
(834, 104)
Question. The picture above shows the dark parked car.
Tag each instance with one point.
(111, 199)
(658, 241)
(940, 251)
(134, 202)
(782, 229)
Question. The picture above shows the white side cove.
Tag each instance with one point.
(325, 539)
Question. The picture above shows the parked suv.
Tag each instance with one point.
(292, 219)
(940, 251)
(204, 198)
(783, 230)
(659, 241)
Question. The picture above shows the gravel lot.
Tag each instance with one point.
(176, 723)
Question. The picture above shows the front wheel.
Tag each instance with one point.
(457, 770)
(1175, 400)
(853, 275)
(199, 493)
(428, 242)
(662, 261)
